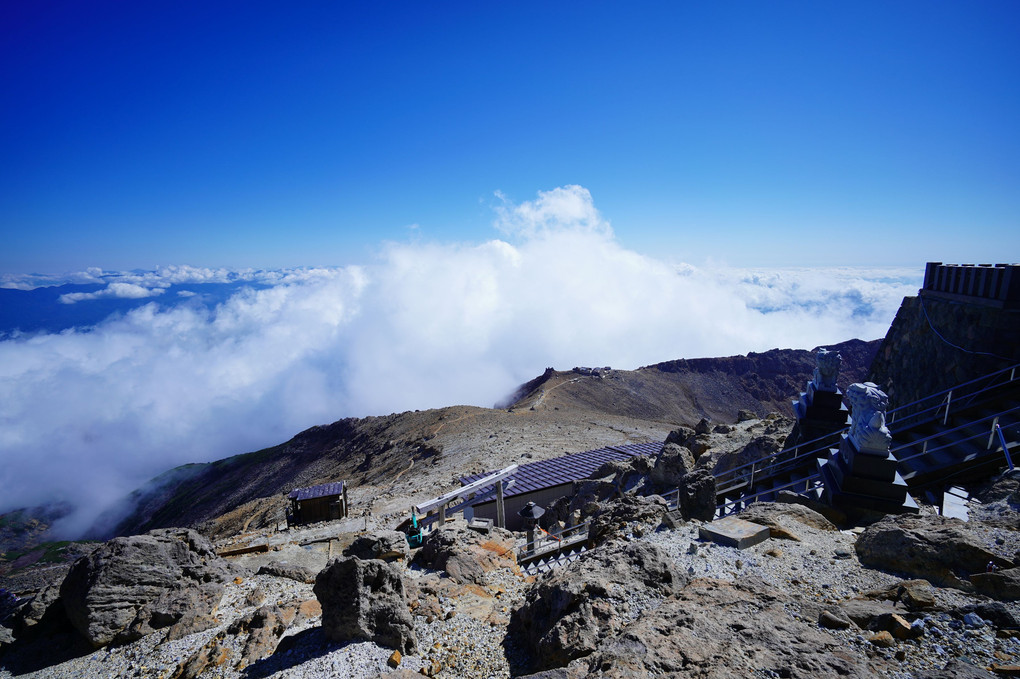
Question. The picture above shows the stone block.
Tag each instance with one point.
(867, 465)
(734, 532)
(894, 489)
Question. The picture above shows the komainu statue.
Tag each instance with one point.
(826, 370)
(868, 404)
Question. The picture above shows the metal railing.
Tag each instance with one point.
(731, 506)
(960, 396)
(569, 535)
(994, 434)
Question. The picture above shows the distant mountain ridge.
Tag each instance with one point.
(557, 412)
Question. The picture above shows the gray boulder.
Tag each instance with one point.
(941, 550)
(1003, 585)
(381, 544)
(569, 611)
(364, 599)
(467, 555)
(132, 586)
(616, 517)
(697, 495)
(289, 571)
(673, 463)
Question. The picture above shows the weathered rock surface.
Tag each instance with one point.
(697, 495)
(264, 626)
(380, 544)
(615, 518)
(40, 615)
(915, 595)
(1004, 584)
(938, 549)
(719, 629)
(132, 586)
(775, 515)
(673, 463)
(466, 555)
(365, 599)
(289, 571)
(569, 611)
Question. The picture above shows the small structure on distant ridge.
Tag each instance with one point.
(324, 502)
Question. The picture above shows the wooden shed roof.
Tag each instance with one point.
(321, 490)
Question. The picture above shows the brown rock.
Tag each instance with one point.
(882, 639)
(394, 659)
(831, 620)
(941, 550)
(899, 627)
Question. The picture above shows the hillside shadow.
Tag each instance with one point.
(293, 651)
(25, 656)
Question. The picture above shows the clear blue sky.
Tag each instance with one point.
(274, 134)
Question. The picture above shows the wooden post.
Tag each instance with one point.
(442, 515)
(500, 511)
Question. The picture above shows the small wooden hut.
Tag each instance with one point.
(324, 502)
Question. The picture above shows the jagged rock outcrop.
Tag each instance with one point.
(938, 549)
(630, 513)
(467, 555)
(570, 611)
(132, 586)
(380, 544)
(697, 495)
(713, 628)
(673, 463)
(364, 599)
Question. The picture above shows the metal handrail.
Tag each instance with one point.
(768, 469)
(946, 396)
(565, 534)
(748, 499)
(994, 419)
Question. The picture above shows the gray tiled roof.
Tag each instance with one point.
(560, 470)
(321, 490)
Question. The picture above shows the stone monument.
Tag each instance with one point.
(860, 476)
(820, 412)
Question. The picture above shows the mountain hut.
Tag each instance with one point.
(324, 502)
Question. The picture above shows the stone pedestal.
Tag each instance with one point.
(856, 481)
(820, 414)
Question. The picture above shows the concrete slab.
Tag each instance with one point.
(734, 532)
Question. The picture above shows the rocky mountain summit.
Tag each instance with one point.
(650, 594)
(909, 596)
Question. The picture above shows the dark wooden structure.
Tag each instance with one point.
(324, 502)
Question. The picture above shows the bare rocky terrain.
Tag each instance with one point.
(906, 597)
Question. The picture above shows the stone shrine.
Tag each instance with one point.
(820, 411)
(860, 476)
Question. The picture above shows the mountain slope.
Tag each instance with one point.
(392, 461)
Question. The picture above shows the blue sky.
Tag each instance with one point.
(303, 134)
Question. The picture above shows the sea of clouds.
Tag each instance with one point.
(91, 413)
